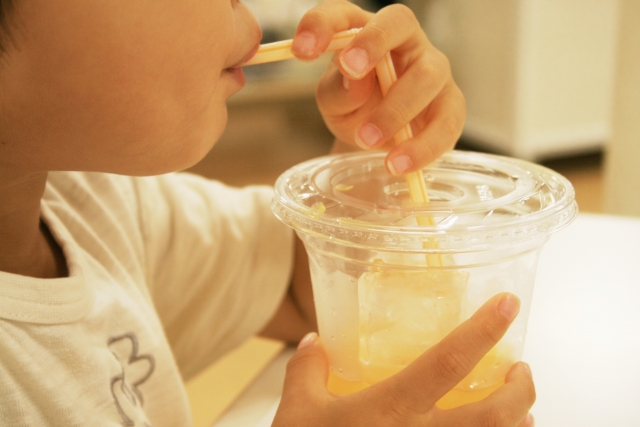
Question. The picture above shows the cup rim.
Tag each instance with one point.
(559, 211)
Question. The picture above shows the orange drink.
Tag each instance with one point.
(455, 397)
(485, 378)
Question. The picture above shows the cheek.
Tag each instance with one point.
(129, 122)
(140, 87)
(136, 92)
(165, 134)
(174, 99)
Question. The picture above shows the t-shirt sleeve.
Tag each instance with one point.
(218, 263)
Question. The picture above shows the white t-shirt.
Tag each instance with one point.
(165, 274)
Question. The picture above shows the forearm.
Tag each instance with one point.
(296, 315)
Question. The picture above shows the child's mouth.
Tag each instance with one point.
(236, 70)
(250, 55)
(237, 74)
(246, 58)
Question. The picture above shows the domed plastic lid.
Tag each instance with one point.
(476, 201)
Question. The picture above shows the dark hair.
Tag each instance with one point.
(6, 7)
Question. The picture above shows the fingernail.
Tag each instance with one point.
(399, 164)
(509, 306)
(308, 339)
(355, 61)
(368, 136)
(346, 84)
(304, 42)
(527, 368)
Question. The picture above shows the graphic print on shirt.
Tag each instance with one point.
(136, 369)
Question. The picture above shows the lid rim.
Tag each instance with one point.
(465, 240)
(538, 224)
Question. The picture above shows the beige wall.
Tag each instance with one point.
(622, 170)
(537, 74)
(572, 67)
(479, 38)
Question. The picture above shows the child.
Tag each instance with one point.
(113, 288)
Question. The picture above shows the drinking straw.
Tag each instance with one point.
(415, 180)
(279, 51)
(386, 72)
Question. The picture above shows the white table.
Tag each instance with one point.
(583, 342)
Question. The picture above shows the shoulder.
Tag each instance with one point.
(97, 212)
(86, 190)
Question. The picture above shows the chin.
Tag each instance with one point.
(184, 145)
(178, 156)
(186, 158)
(192, 150)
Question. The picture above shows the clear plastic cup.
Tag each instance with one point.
(387, 287)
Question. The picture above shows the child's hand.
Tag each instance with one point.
(349, 96)
(408, 398)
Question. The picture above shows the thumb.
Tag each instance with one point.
(307, 370)
(445, 364)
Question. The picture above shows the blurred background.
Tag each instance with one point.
(552, 81)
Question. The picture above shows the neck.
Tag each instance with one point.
(26, 246)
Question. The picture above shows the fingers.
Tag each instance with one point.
(508, 406)
(408, 97)
(515, 397)
(417, 388)
(424, 96)
(304, 386)
(338, 96)
(307, 371)
(438, 130)
(408, 398)
(392, 28)
(527, 421)
(317, 27)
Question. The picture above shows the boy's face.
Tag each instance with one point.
(133, 87)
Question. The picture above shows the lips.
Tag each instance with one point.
(246, 57)
(251, 54)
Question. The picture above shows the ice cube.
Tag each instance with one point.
(403, 313)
